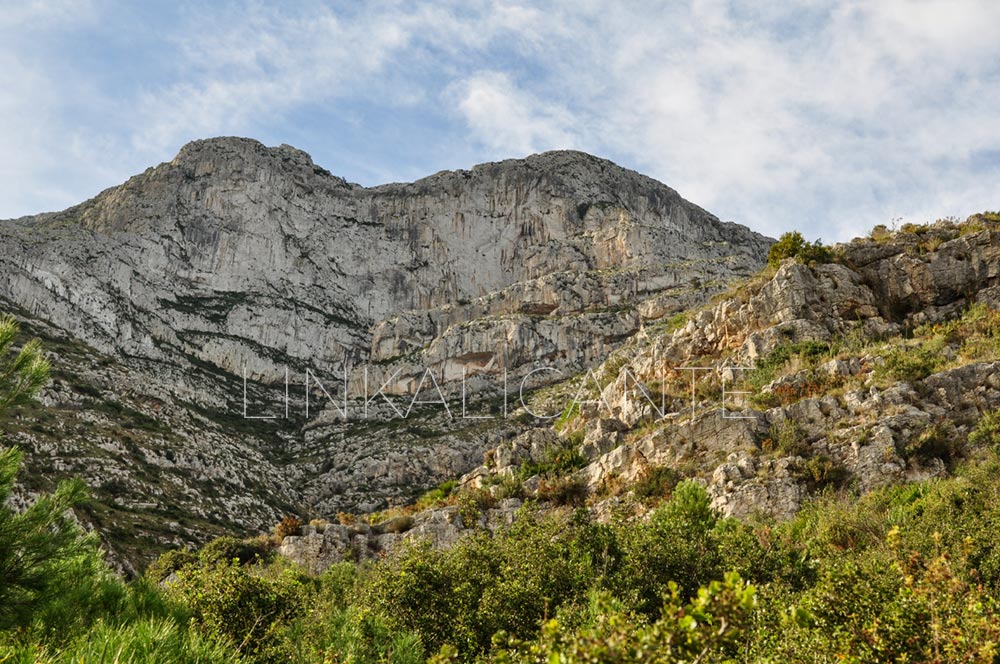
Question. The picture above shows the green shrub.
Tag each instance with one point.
(909, 364)
(559, 460)
(675, 545)
(227, 549)
(987, 431)
(787, 439)
(937, 441)
(710, 627)
(437, 495)
(821, 471)
(793, 245)
(170, 562)
(145, 641)
(471, 503)
(563, 490)
(41, 548)
(241, 604)
(357, 635)
(656, 482)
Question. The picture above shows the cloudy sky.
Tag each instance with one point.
(824, 116)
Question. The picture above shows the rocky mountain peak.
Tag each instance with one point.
(240, 260)
(227, 154)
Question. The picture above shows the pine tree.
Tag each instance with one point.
(24, 374)
(36, 544)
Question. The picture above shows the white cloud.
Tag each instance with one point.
(821, 115)
(508, 120)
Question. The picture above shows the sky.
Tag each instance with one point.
(821, 116)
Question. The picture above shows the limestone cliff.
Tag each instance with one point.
(159, 295)
(871, 367)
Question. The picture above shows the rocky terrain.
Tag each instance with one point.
(868, 367)
(245, 280)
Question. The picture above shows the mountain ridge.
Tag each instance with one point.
(237, 259)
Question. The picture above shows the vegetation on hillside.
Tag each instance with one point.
(904, 573)
(793, 245)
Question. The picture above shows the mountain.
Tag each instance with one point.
(833, 372)
(238, 278)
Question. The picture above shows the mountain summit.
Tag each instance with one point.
(239, 260)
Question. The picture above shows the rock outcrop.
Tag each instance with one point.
(878, 364)
(180, 301)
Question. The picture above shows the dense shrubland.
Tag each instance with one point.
(904, 573)
(908, 571)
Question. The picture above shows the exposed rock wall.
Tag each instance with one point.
(156, 294)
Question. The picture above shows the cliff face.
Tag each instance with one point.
(871, 368)
(242, 255)
(237, 257)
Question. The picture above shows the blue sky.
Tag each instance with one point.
(827, 117)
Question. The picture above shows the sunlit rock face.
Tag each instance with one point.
(243, 255)
(236, 259)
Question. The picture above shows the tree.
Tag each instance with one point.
(22, 375)
(41, 542)
(793, 245)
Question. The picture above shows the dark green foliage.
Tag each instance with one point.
(938, 441)
(227, 549)
(765, 370)
(821, 471)
(39, 547)
(56, 590)
(170, 562)
(22, 373)
(242, 604)
(713, 623)
(793, 245)
(677, 545)
(787, 439)
(563, 491)
(510, 582)
(558, 461)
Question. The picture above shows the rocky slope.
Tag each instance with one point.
(168, 298)
(868, 368)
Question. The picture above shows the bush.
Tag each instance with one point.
(563, 491)
(880, 233)
(471, 503)
(987, 431)
(909, 364)
(168, 563)
(937, 441)
(227, 549)
(787, 439)
(146, 641)
(557, 461)
(675, 545)
(41, 548)
(486, 583)
(708, 628)
(821, 471)
(290, 525)
(241, 604)
(656, 482)
(793, 245)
